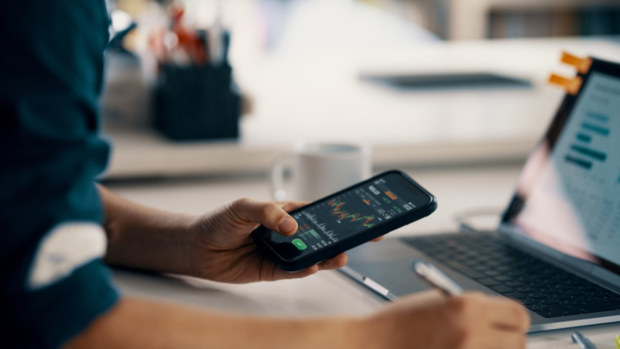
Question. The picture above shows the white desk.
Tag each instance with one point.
(457, 189)
(317, 94)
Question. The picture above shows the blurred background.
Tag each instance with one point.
(200, 87)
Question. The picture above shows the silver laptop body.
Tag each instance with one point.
(565, 210)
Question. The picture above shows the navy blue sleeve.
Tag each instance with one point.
(53, 281)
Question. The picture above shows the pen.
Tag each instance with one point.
(215, 36)
(225, 45)
(583, 342)
(436, 278)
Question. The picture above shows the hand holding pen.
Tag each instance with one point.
(467, 320)
(434, 277)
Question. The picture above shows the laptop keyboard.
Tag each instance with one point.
(542, 287)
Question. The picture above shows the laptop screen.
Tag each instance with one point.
(568, 195)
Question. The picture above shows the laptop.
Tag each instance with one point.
(557, 246)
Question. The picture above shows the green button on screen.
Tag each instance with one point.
(300, 245)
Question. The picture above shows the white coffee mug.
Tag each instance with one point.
(320, 168)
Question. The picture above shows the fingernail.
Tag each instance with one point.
(287, 225)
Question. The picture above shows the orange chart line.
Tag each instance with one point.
(353, 217)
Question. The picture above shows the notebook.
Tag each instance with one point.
(557, 247)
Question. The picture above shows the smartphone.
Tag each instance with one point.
(348, 218)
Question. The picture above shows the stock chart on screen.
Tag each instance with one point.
(329, 221)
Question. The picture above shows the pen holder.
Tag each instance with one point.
(196, 102)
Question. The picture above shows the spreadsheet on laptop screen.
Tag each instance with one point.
(571, 194)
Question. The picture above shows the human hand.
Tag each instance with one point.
(431, 320)
(224, 250)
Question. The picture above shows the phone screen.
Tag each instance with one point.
(348, 213)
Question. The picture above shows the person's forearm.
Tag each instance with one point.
(145, 238)
(135, 323)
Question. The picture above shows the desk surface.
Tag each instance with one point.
(458, 189)
(319, 95)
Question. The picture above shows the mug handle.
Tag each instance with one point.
(277, 177)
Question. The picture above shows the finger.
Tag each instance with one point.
(280, 274)
(289, 206)
(269, 214)
(507, 314)
(335, 262)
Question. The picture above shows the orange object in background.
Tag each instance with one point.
(581, 63)
(570, 85)
(188, 39)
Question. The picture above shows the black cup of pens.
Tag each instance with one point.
(195, 97)
(196, 102)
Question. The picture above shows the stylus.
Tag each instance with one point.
(375, 286)
(368, 282)
(435, 277)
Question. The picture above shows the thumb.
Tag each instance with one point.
(268, 214)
